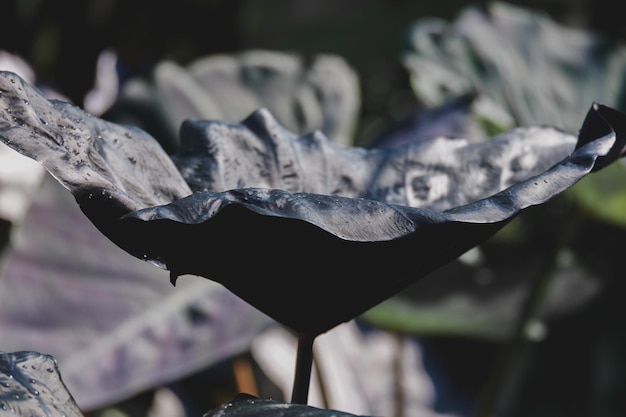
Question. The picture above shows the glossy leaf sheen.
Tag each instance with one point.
(297, 226)
(30, 385)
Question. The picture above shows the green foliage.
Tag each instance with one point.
(603, 196)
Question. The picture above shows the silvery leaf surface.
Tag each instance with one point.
(254, 182)
(31, 385)
(19, 176)
(436, 174)
(90, 157)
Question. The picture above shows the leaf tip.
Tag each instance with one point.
(173, 277)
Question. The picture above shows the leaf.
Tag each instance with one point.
(518, 60)
(437, 174)
(303, 93)
(483, 301)
(31, 385)
(245, 406)
(367, 211)
(115, 324)
(451, 119)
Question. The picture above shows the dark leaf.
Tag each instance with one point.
(326, 232)
(31, 385)
(247, 406)
(453, 119)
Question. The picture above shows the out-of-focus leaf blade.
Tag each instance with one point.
(609, 188)
(31, 385)
(518, 60)
(458, 117)
(484, 301)
(115, 324)
(321, 93)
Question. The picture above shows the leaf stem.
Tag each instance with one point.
(304, 364)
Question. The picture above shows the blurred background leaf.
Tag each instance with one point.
(116, 325)
(518, 62)
(322, 94)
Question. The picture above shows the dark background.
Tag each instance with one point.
(62, 39)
